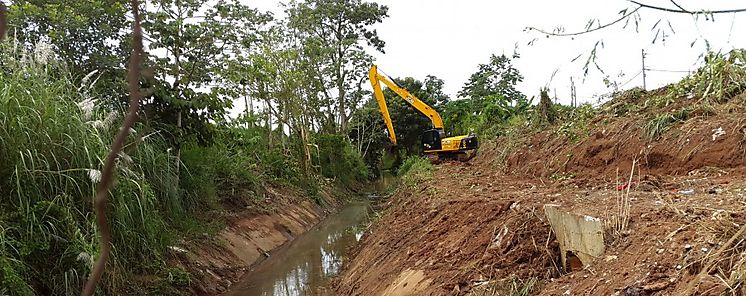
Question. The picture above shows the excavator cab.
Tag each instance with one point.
(431, 140)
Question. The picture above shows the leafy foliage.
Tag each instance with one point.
(408, 122)
(367, 134)
(87, 35)
(334, 36)
(721, 77)
(498, 77)
(415, 170)
(491, 99)
(196, 55)
(338, 159)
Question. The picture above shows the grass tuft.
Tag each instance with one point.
(660, 124)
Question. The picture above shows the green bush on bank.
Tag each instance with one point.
(415, 170)
(338, 159)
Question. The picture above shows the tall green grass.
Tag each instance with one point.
(52, 141)
(655, 128)
(415, 170)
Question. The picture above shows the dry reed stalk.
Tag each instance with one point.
(625, 217)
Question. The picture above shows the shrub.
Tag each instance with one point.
(338, 159)
(415, 170)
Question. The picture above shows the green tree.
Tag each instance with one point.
(88, 35)
(196, 38)
(408, 122)
(334, 33)
(366, 131)
(498, 77)
(491, 98)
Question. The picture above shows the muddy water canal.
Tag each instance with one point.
(305, 266)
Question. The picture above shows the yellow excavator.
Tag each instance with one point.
(435, 144)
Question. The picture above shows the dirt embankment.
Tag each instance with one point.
(703, 140)
(250, 237)
(449, 233)
(480, 228)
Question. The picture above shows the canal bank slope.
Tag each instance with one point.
(487, 234)
(215, 262)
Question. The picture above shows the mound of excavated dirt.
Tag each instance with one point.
(479, 228)
(449, 234)
(614, 142)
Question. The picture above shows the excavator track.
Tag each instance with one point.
(465, 156)
(461, 156)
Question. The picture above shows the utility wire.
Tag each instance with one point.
(614, 91)
(671, 71)
(630, 80)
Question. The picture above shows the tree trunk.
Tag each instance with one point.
(177, 77)
(263, 95)
(341, 103)
(249, 111)
(341, 93)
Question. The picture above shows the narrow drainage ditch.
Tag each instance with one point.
(305, 266)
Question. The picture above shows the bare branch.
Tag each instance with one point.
(679, 6)
(623, 17)
(640, 5)
(107, 175)
(681, 10)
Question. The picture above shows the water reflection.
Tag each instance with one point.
(305, 266)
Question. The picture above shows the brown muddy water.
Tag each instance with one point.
(305, 266)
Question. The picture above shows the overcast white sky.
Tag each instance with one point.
(449, 39)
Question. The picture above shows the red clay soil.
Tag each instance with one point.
(452, 229)
(479, 228)
(615, 143)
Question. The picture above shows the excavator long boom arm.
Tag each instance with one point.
(376, 80)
